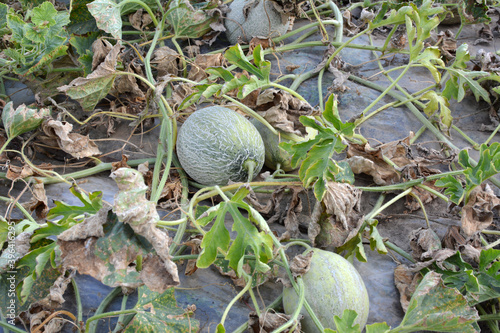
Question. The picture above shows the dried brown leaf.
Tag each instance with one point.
(438, 257)
(167, 60)
(22, 245)
(339, 79)
(55, 298)
(80, 255)
(269, 321)
(100, 48)
(38, 202)
(140, 19)
(194, 243)
(15, 172)
(406, 282)
(90, 227)
(423, 243)
(132, 207)
(75, 144)
(477, 214)
(120, 164)
(300, 264)
(447, 44)
(337, 218)
(128, 84)
(202, 62)
(283, 110)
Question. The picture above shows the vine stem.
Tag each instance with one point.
(181, 229)
(91, 327)
(106, 315)
(79, 309)
(235, 298)
(296, 313)
(143, 5)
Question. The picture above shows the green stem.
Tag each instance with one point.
(399, 251)
(433, 191)
(106, 315)
(492, 135)
(249, 166)
(237, 297)
(5, 145)
(91, 327)
(254, 300)
(421, 204)
(119, 324)
(11, 327)
(294, 318)
(101, 167)
(181, 229)
(474, 144)
(390, 202)
(79, 310)
(22, 209)
(143, 5)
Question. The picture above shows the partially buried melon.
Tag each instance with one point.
(332, 285)
(216, 145)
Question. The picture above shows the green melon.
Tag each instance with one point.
(263, 20)
(216, 145)
(332, 285)
(274, 154)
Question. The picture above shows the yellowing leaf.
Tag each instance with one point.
(438, 103)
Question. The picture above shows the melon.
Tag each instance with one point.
(275, 155)
(332, 285)
(262, 20)
(216, 145)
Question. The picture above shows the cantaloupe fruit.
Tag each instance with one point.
(216, 145)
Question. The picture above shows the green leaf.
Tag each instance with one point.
(236, 57)
(345, 174)
(52, 229)
(107, 15)
(346, 323)
(188, 22)
(438, 103)
(35, 260)
(43, 15)
(248, 237)
(81, 21)
(453, 188)
(430, 57)
(91, 91)
(4, 231)
(462, 56)
(435, 307)
(220, 72)
(396, 16)
(376, 241)
(46, 58)
(217, 238)
(378, 328)
(17, 25)
(91, 205)
(331, 114)
(21, 120)
(83, 47)
(354, 246)
(487, 166)
(460, 80)
(3, 15)
(159, 313)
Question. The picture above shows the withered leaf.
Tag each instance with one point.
(132, 207)
(194, 243)
(300, 264)
(406, 282)
(90, 227)
(100, 48)
(127, 84)
(423, 243)
(38, 201)
(269, 321)
(202, 62)
(282, 110)
(140, 19)
(55, 298)
(337, 218)
(75, 144)
(15, 172)
(167, 60)
(477, 214)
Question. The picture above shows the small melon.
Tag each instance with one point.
(263, 20)
(332, 285)
(274, 153)
(216, 145)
